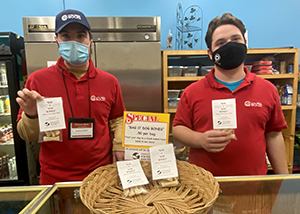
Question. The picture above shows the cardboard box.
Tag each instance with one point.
(282, 68)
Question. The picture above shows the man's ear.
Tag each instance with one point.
(91, 45)
(55, 37)
(209, 53)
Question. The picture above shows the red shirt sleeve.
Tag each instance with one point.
(183, 114)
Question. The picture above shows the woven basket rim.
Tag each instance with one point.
(95, 184)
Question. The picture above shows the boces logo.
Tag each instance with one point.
(70, 16)
(97, 98)
(253, 104)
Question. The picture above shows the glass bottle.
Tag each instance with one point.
(14, 169)
(1, 166)
(10, 170)
(169, 40)
(7, 104)
(3, 75)
(4, 167)
(2, 109)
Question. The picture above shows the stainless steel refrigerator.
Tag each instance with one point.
(13, 156)
(127, 47)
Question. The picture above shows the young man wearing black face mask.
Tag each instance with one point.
(259, 118)
(92, 103)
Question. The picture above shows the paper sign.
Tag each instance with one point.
(51, 114)
(137, 153)
(131, 173)
(163, 162)
(143, 130)
(224, 114)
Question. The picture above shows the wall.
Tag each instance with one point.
(271, 23)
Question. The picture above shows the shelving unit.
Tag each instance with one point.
(200, 58)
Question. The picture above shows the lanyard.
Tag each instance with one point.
(88, 80)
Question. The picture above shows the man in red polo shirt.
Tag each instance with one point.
(89, 96)
(251, 101)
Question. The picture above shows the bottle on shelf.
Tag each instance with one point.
(2, 109)
(6, 131)
(14, 174)
(5, 173)
(12, 168)
(7, 166)
(1, 166)
(3, 138)
(10, 131)
(170, 40)
(3, 76)
(7, 104)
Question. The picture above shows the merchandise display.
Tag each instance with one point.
(101, 192)
(13, 151)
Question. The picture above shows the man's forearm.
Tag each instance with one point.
(276, 152)
(186, 136)
(27, 128)
(116, 127)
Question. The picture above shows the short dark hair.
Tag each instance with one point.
(90, 33)
(226, 18)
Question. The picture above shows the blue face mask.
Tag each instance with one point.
(74, 52)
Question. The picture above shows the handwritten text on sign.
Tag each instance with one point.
(144, 129)
(141, 134)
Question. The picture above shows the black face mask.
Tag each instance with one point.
(230, 55)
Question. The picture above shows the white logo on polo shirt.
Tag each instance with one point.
(97, 98)
(252, 104)
(217, 57)
(70, 16)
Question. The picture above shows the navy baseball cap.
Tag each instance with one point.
(69, 16)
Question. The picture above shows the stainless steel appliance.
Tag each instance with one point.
(127, 47)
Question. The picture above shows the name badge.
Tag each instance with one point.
(81, 128)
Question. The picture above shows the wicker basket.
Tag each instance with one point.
(101, 191)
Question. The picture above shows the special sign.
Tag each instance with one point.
(144, 130)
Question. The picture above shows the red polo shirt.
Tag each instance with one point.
(258, 112)
(73, 160)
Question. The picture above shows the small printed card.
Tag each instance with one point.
(132, 153)
(51, 114)
(131, 173)
(163, 162)
(224, 114)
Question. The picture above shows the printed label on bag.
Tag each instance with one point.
(163, 162)
(137, 153)
(131, 173)
(51, 114)
(224, 114)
